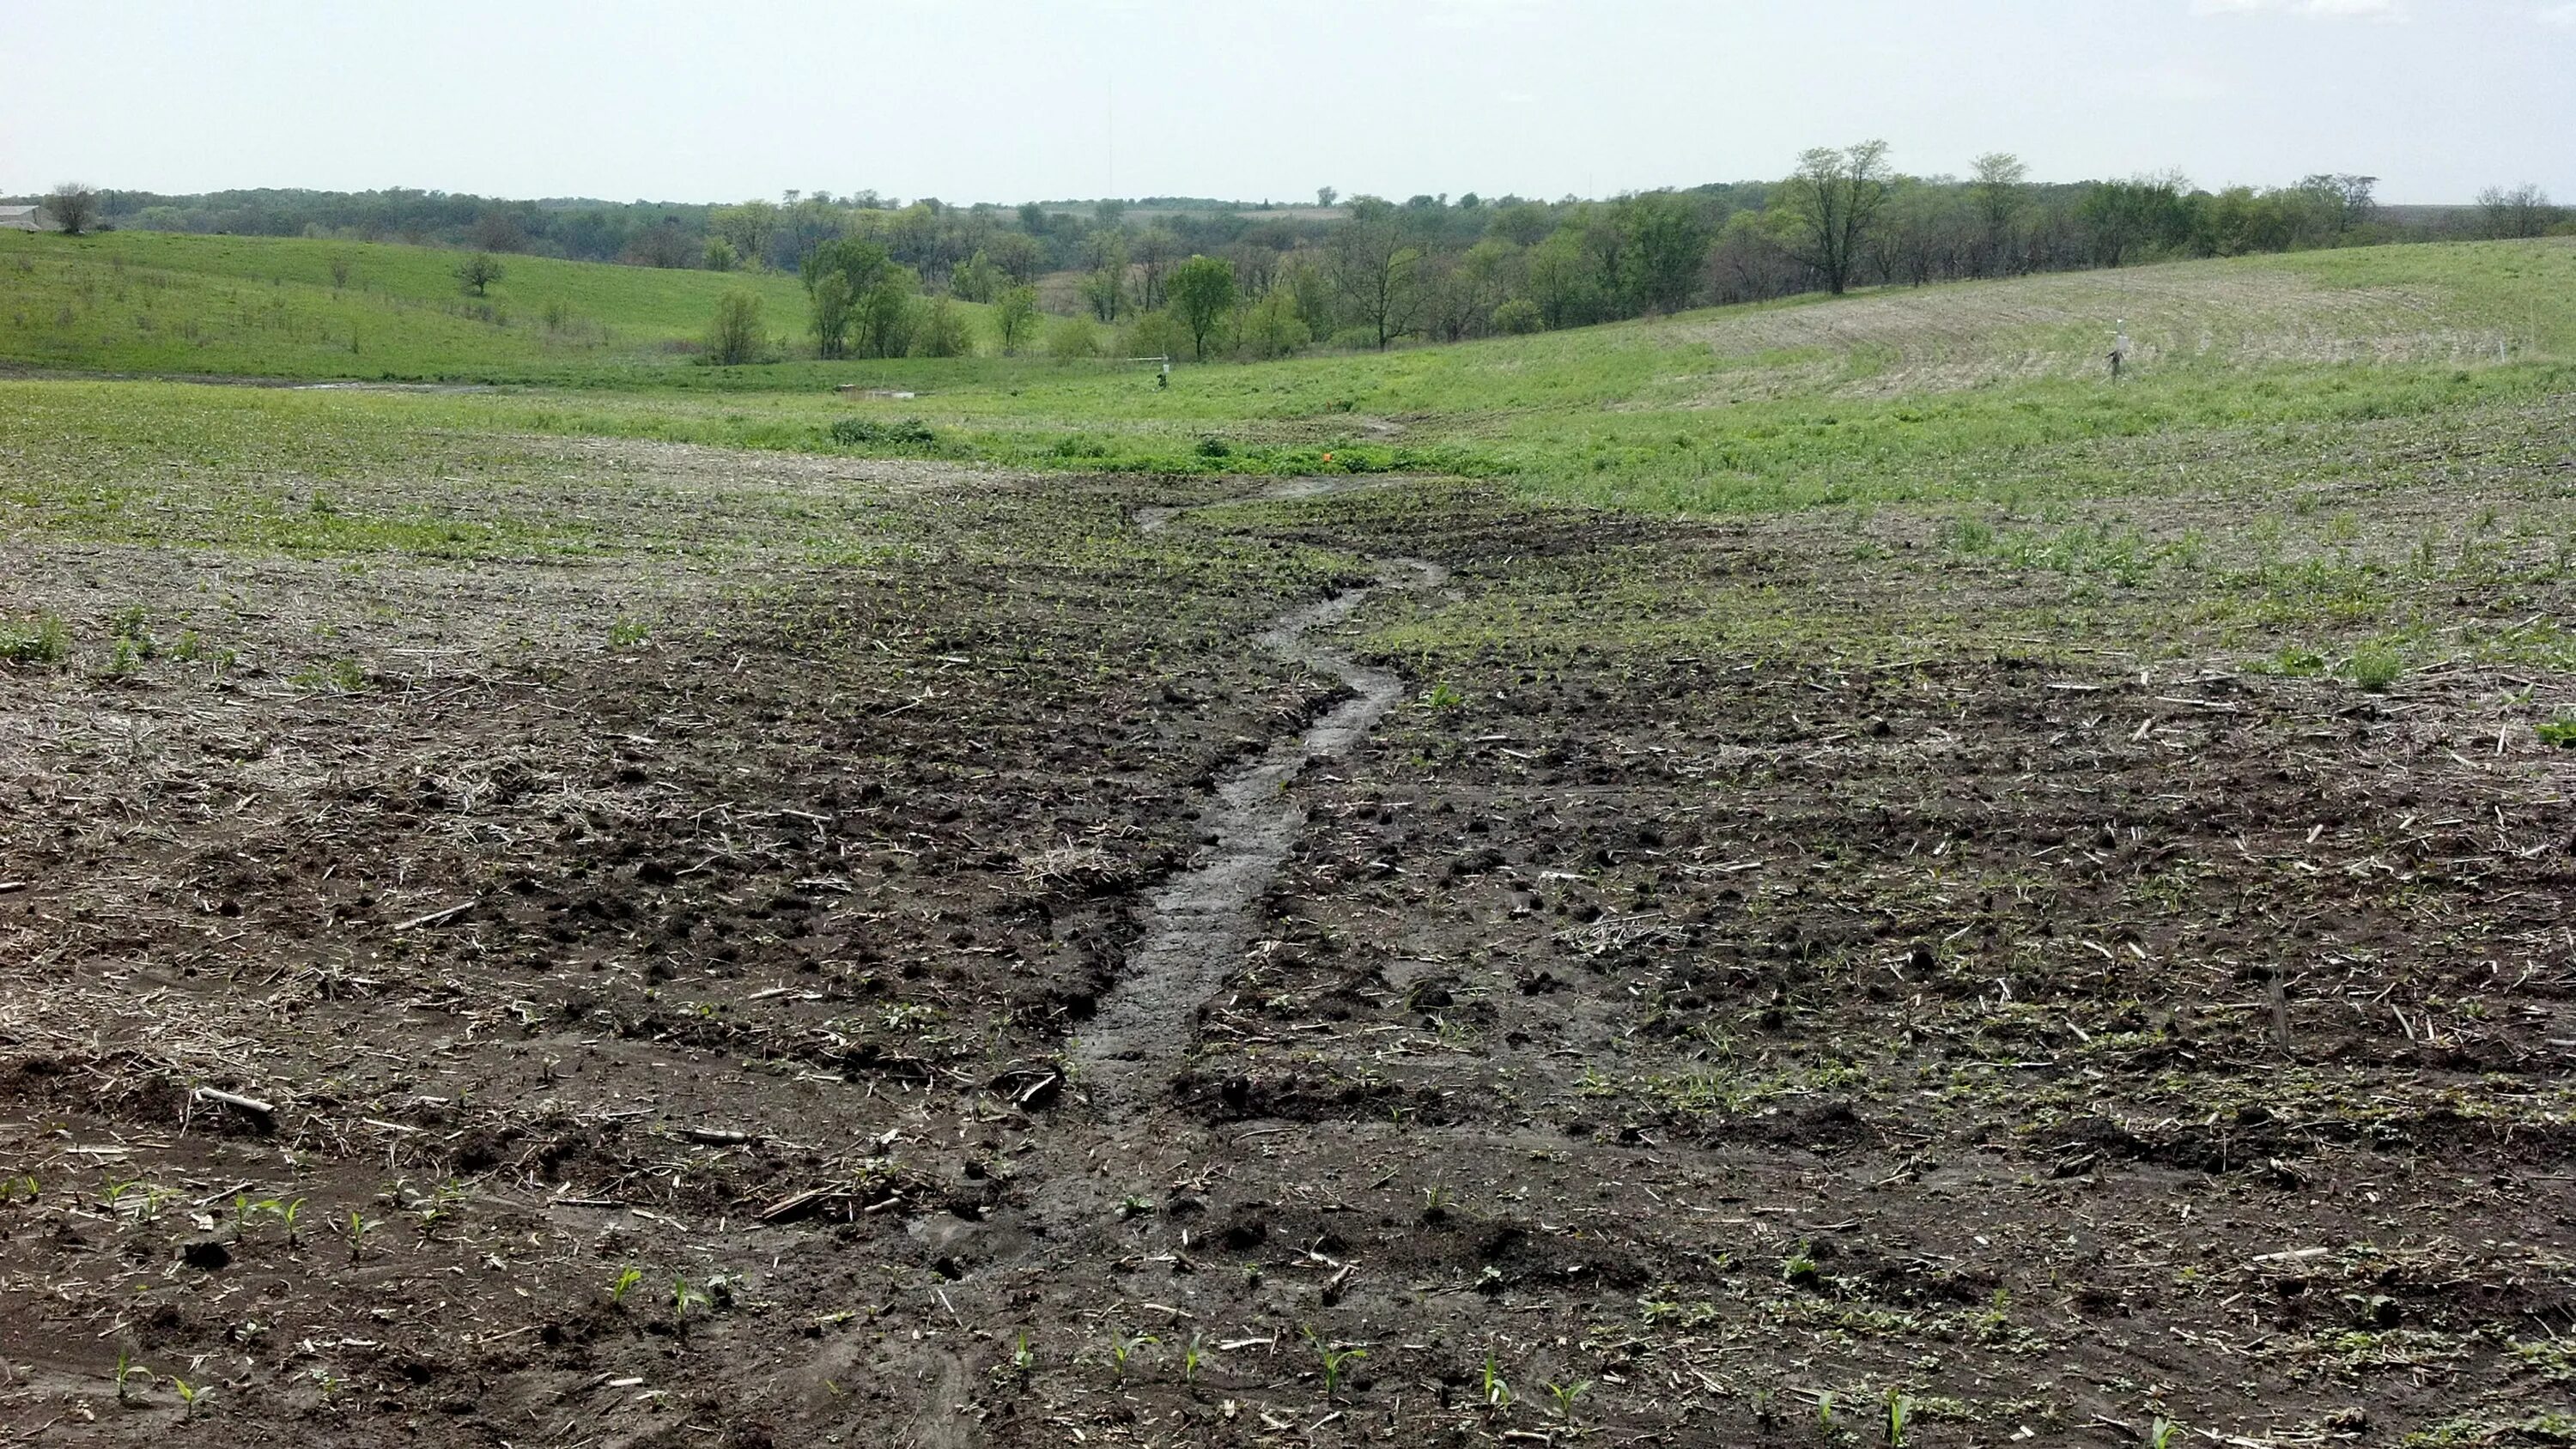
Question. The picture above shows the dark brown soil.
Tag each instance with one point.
(1707, 1045)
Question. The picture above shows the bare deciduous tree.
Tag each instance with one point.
(2001, 190)
(73, 207)
(2523, 211)
(1832, 201)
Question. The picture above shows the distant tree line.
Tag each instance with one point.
(1369, 272)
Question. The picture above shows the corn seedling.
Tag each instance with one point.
(683, 1298)
(1333, 1359)
(127, 1371)
(356, 1230)
(1564, 1396)
(1897, 1407)
(2162, 1434)
(287, 1214)
(2559, 732)
(11, 1187)
(189, 1394)
(1024, 1358)
(1122, 1347)
(1498, 1393)
(1825, 1411)
(440, 1205)
(1193, 1354)
(624, 1283)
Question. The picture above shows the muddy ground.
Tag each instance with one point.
(758, 998)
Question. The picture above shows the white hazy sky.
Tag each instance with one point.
(1005, 100)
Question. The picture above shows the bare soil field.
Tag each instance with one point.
(949, 958)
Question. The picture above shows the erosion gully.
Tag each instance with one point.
(1201, 923)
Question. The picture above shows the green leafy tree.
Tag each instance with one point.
(1667, 245)
(885, 313)
(1105, 286)
(478, 272)
(978, 280)
(2123, 220)
(747, 228)
(734, 337)
(1560, 281)
(1202, 292)
(1015, 316)
(1156, 334)
(939, 330)
(1272, 326)
(1375, 266)
(835, 308)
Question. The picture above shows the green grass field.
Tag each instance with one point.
(290, 308)
(1986, 390)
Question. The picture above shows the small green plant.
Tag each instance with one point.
(433, 1210)
(47, 641)
(1334, 1360)
(127, 1371)
(684, 1297)
(2375, 667)
(1498, 1393)
(623, 1284)
(2560, 732)
(1442, 698)
(1564, 1395)
(288, 1215)
(1193, 1354)
(627, 633)
(1122, 1348)
(24, 1182)
(1024, 1358)
(1134, 1205)
(1799, 1268)
(1897, 1407)
(1825, 1411)
(189, 1394)
(133, 626)
(355, 1230)
(2162, 1433)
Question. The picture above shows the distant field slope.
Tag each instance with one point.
(286, 307)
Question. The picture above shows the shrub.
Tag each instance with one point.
(939, 330)
(860, 432)
(1073, 337)
(1518, 317)
(733, 338)
(1157, 334)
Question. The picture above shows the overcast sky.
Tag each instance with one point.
(1006, 100)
